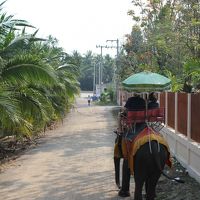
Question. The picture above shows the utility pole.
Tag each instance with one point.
(117, 60)
(117, 47)
(101, 66)
(94, 79)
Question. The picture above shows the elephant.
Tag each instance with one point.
(149, 162)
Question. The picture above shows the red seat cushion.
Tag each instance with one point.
(153, 115)
(156, 114)
(136, 116)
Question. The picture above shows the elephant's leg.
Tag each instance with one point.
(151, 186)
(147, 186)
(138, 191)
(139, 182)
(124, 191)
(140, 176)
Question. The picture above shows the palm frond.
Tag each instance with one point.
(1, 4)
(28, 69)
(35, 103)
(11, 117)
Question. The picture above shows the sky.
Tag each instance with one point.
(77, 24)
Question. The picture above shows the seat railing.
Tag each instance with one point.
(155, 117)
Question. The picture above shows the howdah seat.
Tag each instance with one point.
(153, 117)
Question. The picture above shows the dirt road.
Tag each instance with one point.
(74, 161)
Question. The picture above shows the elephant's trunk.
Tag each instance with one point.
(117, 156)
(117, 171)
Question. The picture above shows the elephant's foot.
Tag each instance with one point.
(124, 193)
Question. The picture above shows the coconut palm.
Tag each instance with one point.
(11, 120)
(37, 84)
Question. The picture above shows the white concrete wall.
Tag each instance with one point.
(182, 147)
(186, 151)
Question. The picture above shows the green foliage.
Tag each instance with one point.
(192, 74)
(165, 39)
(107, 96)
(38, 80)
(111, 93)
(176, 83)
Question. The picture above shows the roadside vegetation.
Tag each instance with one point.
(38, 81)
(165, 38)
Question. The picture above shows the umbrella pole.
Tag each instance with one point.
(146, 107)
(146, 120)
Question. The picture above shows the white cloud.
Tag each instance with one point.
(77, 24)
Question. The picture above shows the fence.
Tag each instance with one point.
(182, 127)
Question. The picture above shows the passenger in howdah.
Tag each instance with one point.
(153, 103)
(133, 103)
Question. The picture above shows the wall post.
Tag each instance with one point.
(166, 108)
(188, 127)
(176, 120)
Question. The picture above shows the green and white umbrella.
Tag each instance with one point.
(146, 82)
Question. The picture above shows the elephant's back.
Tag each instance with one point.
(150, 158)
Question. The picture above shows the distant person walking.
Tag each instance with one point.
(89, 100)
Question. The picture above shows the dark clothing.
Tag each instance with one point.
(153, 105)
(135, 103)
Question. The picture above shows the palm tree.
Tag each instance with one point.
(37, 83)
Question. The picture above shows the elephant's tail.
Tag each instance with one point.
(177, 179)
(156, 149)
